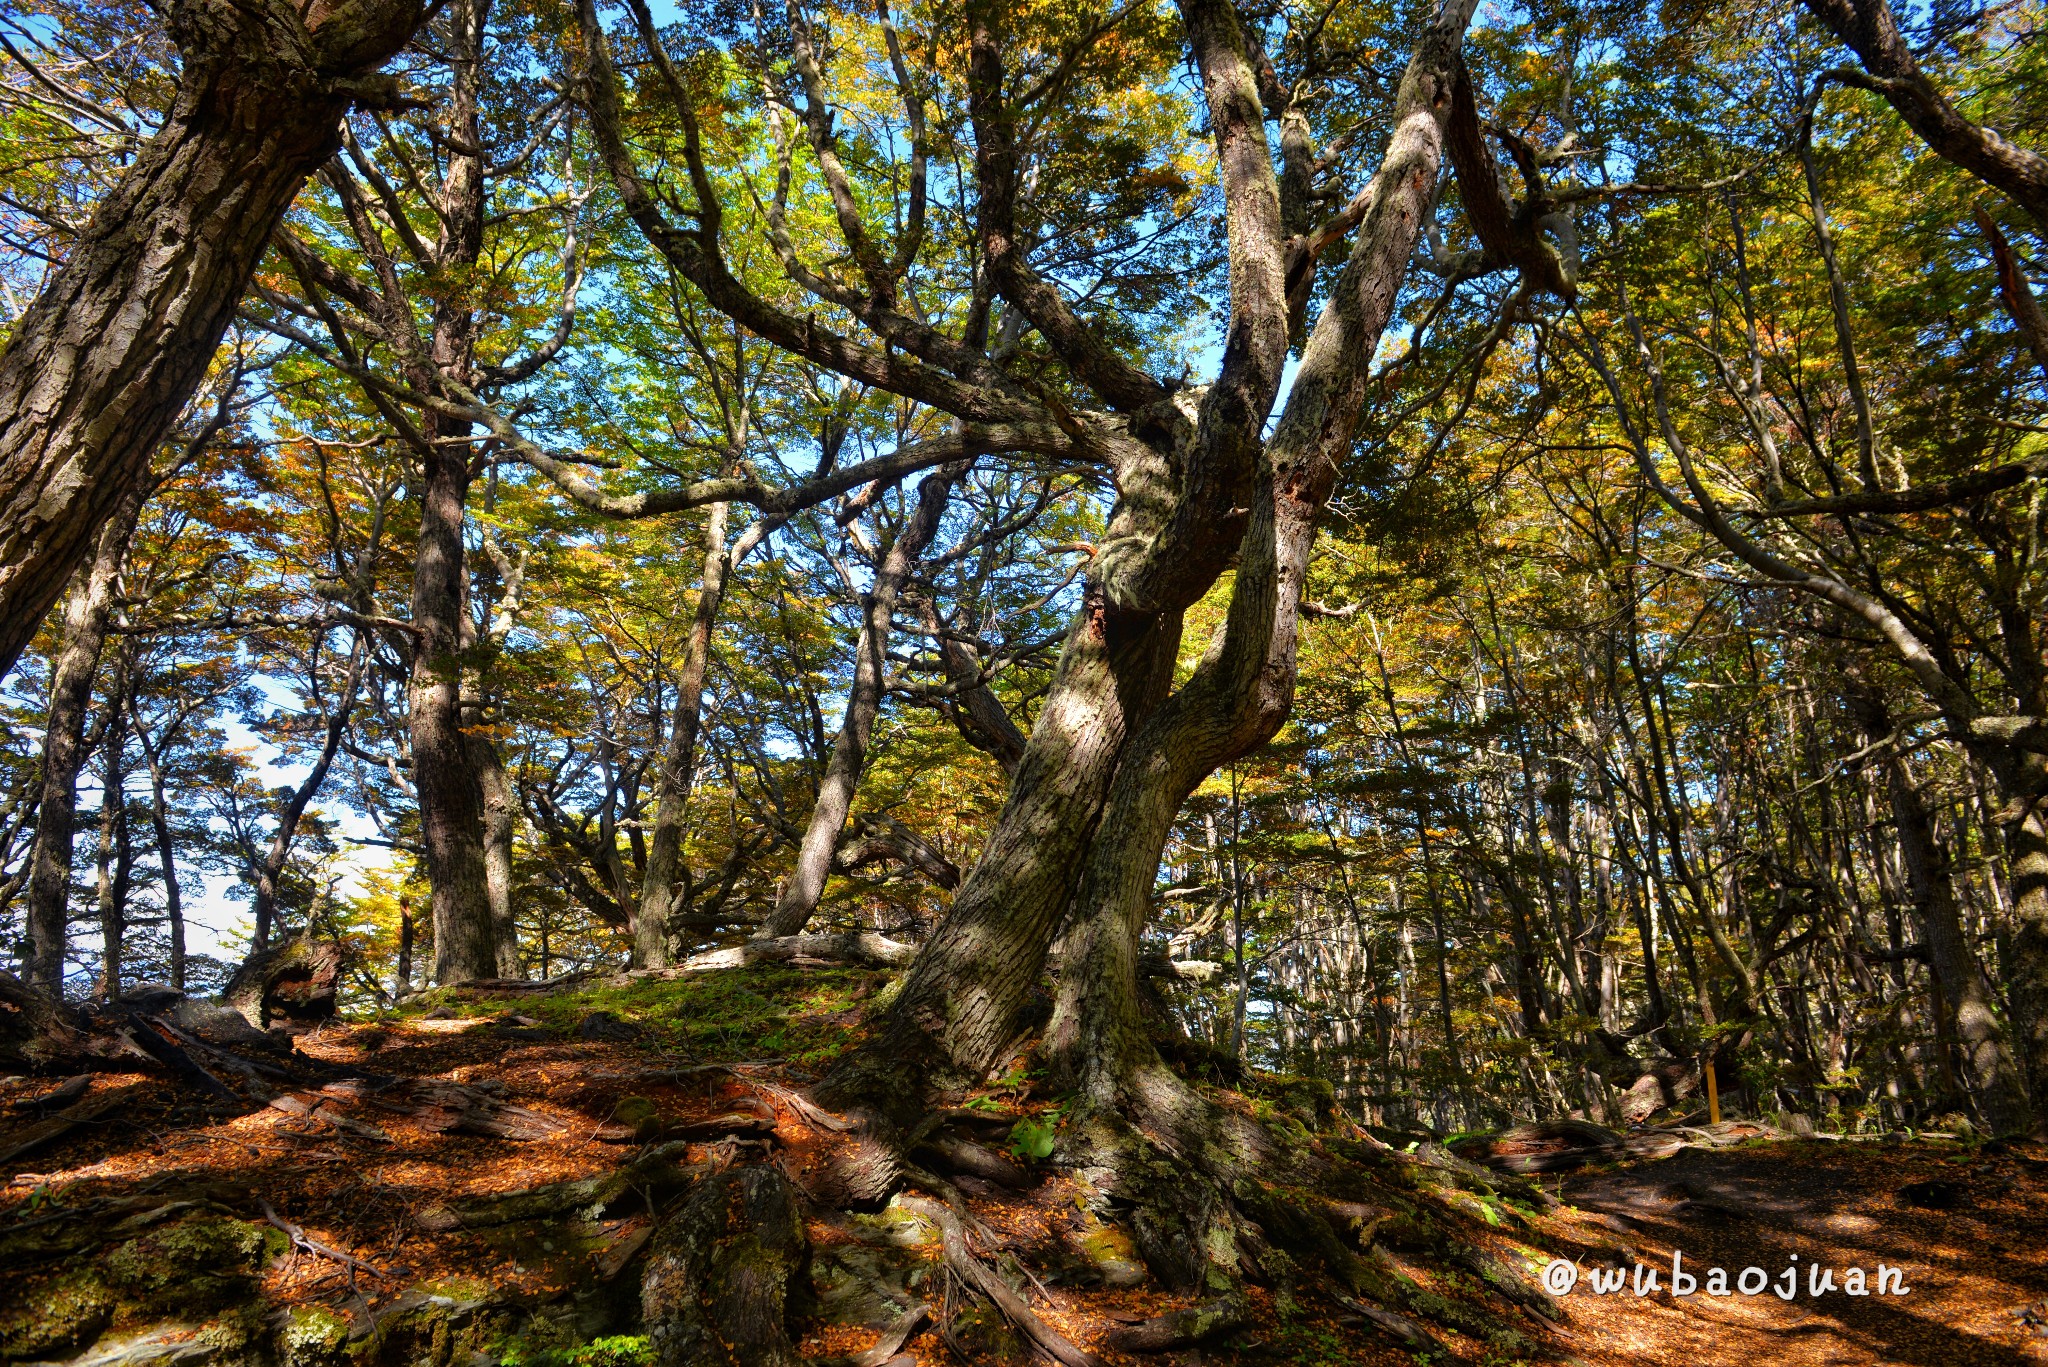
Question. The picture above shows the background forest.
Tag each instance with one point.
(509, 602)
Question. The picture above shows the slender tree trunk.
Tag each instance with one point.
(1963, 998)
(501, 814)
(85, 632)
(2023, 777)
(806, 883)
(402, 971)
(678, 768)
(167, 867)
(101, 364)
(116, 860)
(270, 870)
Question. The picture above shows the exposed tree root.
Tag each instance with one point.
(716, 1286)
(983, 1279)
(1182, 1328)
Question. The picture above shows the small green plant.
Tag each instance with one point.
(1031, 1139)
(620, 1350)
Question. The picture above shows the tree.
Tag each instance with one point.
(102, 363)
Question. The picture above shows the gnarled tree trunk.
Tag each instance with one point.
(101, 364)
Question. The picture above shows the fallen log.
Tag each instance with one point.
(717, 1280)
(295, 981)
(654, 1172)
(35, 1031)
(859, 948)
(63, 1122)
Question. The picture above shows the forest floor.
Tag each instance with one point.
(412, 1210)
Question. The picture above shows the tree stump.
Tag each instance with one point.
(717, 1280)
(294, 982)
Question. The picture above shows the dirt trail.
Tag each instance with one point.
(1977, 1267)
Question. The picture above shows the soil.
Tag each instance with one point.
(382, 1274)
(1977, 1268)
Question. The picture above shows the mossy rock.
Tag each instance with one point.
(897, 1225)
(1113, 1255)
(856, 1284)
(312, 1337)
(1311, 1100)
(53, 1318)
(240, 1337)
(192, 1265)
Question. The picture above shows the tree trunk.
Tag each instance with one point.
(269, 872)
(116, 859)
(679, 759)
(71, 680)
(1110, 747)
(501, 812)
(1963, 1002)
(450, 795)
(806, 884)
(2023, 779)
(101, 364)
(167, 867)
(445, 777)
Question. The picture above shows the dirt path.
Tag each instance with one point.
(1977, 1267)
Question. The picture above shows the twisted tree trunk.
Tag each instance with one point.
(1113, 753)
(101, 364)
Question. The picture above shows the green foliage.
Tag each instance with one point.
(1032, 1138)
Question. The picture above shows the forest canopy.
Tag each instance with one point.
(1489, 559)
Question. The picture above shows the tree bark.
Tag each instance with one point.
(799, 900)
(679, 759)
(101, 364)
(85, 633)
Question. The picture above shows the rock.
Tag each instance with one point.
(311, 1336)
(986, 1337)
(193, 1265)
(1112, 1254)
(55, 1318)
